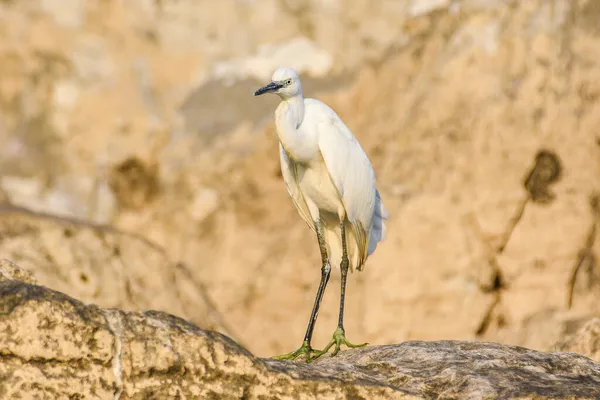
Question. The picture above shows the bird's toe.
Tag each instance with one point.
(305, 350)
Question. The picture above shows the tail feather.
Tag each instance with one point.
(332, 235)
(378, 230)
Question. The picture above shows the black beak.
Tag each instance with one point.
(271, 87)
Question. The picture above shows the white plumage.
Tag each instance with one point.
(327, 174)
(331, 181)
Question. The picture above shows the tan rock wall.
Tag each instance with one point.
(139, 114)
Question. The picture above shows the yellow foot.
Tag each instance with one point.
(338, 339)
(305, 350)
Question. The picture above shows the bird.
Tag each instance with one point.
(331, 182)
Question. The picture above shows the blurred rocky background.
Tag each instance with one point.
(137, 170)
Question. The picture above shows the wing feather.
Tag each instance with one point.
(350, 171)
(361, 240)
(290, 177)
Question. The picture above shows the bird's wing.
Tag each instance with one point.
(289, 173)
(349, 169)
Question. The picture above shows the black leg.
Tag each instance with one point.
(339, 336)
(344, 265)
(325, 272)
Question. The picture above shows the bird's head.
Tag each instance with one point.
(285, 83)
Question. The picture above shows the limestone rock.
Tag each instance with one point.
(453, 101)
(101, 265)
(475, 370)
(10, 271)
(585, 341)
(53, 346)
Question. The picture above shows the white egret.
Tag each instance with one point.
(332, 184)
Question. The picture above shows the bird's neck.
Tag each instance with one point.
(294, 109)
(288, 118)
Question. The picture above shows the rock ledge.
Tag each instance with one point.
(53, 347)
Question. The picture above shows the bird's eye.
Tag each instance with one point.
(288, 82)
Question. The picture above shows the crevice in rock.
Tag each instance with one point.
(492, 286)
(115, 325)
(488, 316)
(512, 224)
(586, 259)
(546, 170)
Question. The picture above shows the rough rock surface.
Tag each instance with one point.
(139, 114)
(55, 347)
(585, 341)
(104, 266)
(11, 271)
